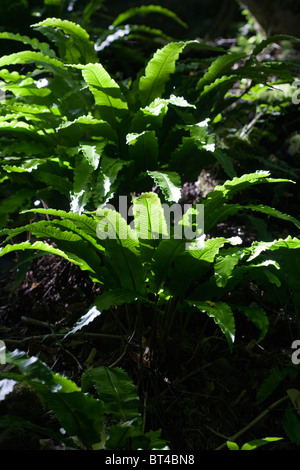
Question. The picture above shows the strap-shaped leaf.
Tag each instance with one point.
(158, 70)
(79, 413)
(143, 150)
(258, 247)
(222, 213)
(216, 208)
(169, 182)
(258, 316)
(107, 93)
(144, 9)
(104, 302)
(85, 128)
(225, 264)
(14, 202)
(77, 46)
(273, 39)
(151, 117)
(222, 315)
(39, 59)
(231, 209)
(220, 67)
(149, 219)
(85, 165)
(116, 390)
(193, 263)
(43, 246)
(163, 259)
(33, 42)
(85, 222)
(122, 249)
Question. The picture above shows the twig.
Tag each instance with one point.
(59, 336)
(35, 322)
(258, 418)
(124, 352)
(251, 124)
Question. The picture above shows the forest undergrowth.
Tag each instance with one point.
(131, 330)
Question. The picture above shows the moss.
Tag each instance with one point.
(13, 438)
(23, 402)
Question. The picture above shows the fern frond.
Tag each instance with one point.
(122, 249)
(107, 93)
(221, 66)
(149, 219)
(169, 183)
(43, 246)
(77, 47)
(143, 150)
(222, 316)
(33, 42)
(144, 9)
(158, 70)
(83, 221)
(37, 58)
(216, 207)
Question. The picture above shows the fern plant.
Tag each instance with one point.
(245, 82)
(165, 266)
(69, 132)
(73, 136)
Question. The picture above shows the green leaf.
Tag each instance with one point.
(120, 435)
(151, 117)
(194, 262)
(117, 392)
(273, 39)
(291, 425)
(222, 315)
(79, 414)
(252, 445)
(67, 241)
(163, 259)
(258, 247)
(144, 9)
(7, 421)
(269, 211)
(225, 162)
(77, 47)
(143, 150)
(224, 266)
(259, 317)
(37, 58)
(85, 166)
(13, 203)
(104, 302)
(169, 183)
(107, 93)
(122, 249)
(86, 128)
(149, 217)
(84, 222)
(73, 258)
(220, 67)
(216, 208)
(34, 43)
(232, 445)
(270, 384)
(158, 70)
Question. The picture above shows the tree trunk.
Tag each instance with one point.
(276, 16)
